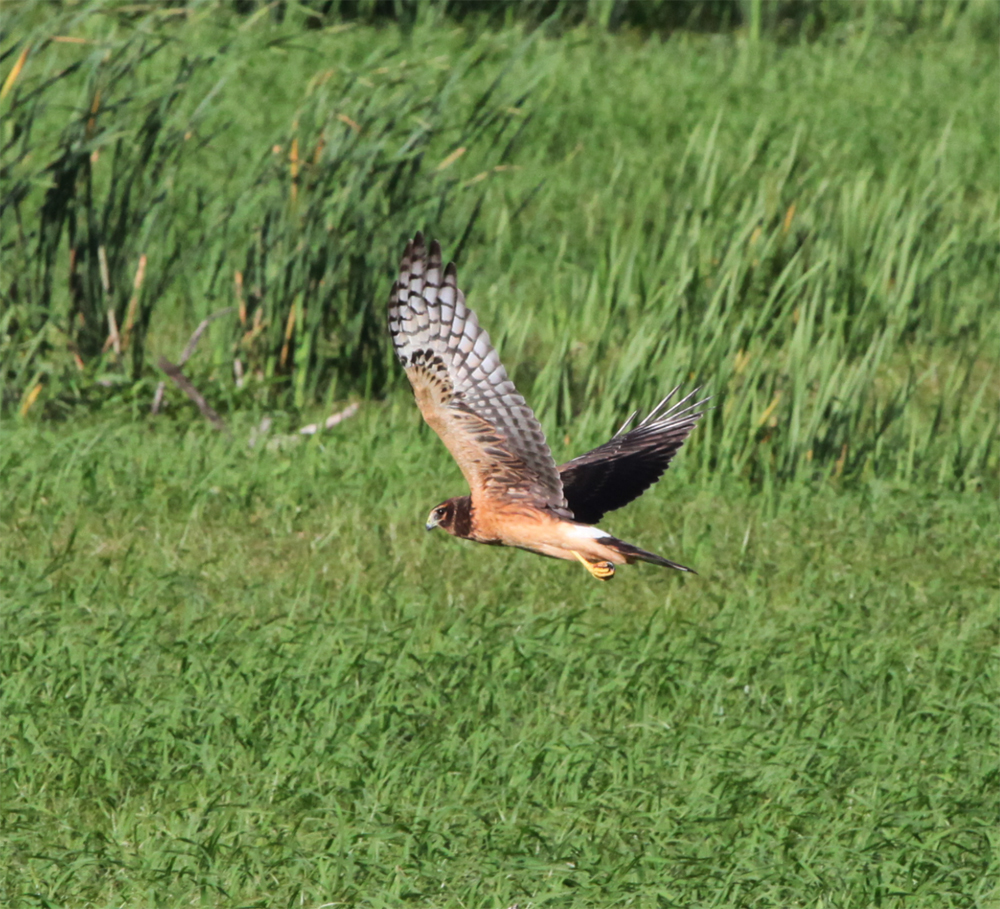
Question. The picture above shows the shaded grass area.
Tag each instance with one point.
(141, 181)
(808, 230)
(249, 677)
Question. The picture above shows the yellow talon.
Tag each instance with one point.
(603, 571)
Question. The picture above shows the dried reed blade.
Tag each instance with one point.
(133, 304)
(8, 83)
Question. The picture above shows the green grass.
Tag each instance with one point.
(809, 232)
(249, 677)
(243, 675)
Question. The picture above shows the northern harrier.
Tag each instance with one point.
(519, 496)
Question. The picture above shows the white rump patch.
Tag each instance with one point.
(582, 531)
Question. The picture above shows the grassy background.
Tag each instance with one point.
(242, 675)
(809, 234)
(248, 677)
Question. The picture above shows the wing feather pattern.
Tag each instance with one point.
(462, 388)
(622, 469)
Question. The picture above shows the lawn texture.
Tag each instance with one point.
(249, 677)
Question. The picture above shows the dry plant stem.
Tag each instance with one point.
(133, 305)
(331, 421)
(184, 384)
(114, 339)
(158, 397)
(196, 337)
(102, 259)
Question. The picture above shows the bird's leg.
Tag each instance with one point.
(603, 571)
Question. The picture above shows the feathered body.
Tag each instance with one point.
(518, 496)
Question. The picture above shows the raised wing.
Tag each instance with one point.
(624, 468)
(462, 389)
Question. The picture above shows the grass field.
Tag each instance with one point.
(243, 677)
(242, 674)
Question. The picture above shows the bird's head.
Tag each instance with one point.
(454, 516)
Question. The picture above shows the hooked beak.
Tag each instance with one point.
(432, 522)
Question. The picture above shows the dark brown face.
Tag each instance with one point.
(453, 516)
(442, 516)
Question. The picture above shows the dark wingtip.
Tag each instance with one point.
(666, 563)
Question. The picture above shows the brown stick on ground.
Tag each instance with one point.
(188, 350)
(184, 384)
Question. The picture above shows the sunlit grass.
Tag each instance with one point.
(807, 232)
(242, 674)
(251, 674)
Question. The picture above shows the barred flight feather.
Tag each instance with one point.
(462, 388)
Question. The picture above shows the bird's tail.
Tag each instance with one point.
(635, 554)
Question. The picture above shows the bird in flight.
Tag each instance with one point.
(519, 497)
